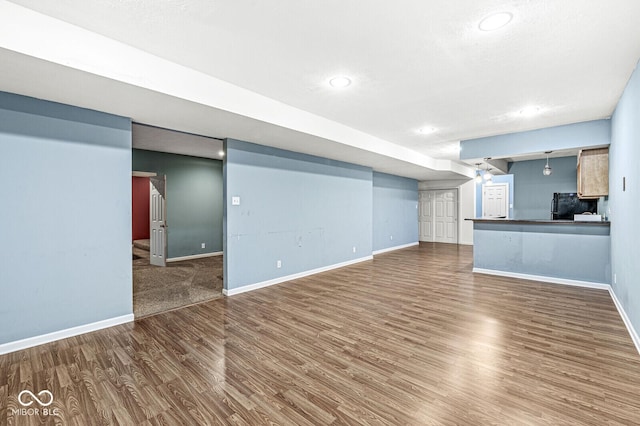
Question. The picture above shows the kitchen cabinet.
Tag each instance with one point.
(593, 173)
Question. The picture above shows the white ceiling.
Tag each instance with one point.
(413, 64)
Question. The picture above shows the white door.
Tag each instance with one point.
(439, 216)
(446, 216)
(425, 215)
(158, 221)
(495, 200)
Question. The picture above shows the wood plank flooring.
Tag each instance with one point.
(412, 337)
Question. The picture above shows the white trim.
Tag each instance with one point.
(279, 280)
(29, 342)
(625, 319)
(554, 280)
(601, 286)
(396, 248)
(143, 174)
(194, 256)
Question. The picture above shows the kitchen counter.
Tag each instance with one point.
(562, 251)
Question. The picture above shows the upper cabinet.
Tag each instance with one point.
(593, 173)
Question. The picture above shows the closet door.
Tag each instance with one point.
(425, 216)
(446, 216)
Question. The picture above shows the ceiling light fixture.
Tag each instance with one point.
(340, 82)
(495, 21)
(426, 130)
(478, 177)
(221, 153)
(487, 174)
(547, 169)
(529, 111)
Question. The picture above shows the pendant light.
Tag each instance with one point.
(487, 174)
(478, 177)
(547, 169)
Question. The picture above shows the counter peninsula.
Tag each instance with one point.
(561, 251)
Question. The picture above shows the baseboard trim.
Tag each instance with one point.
(543, 278)
(279, 280)
(587, 284)
(30, 342)
(625, 319)
(194, 256)
(395, 248)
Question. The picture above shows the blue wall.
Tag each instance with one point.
(571, 136)
(573, 252)
(194, 200)
(624, 205)
(496, 179)
(66, 217)
(395, 211)
(534, 191)
(306, 211)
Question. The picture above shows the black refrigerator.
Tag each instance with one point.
(565, 204)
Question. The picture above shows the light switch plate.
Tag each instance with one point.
(235, 201)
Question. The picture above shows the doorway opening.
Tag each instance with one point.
(177, 258)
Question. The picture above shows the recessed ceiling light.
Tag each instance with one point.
(529, 111)
(426, 130)
(495, 21)
(340, 82)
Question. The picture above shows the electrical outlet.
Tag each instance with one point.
(203, 245)
(279, 264)
(391, 237)
(354, 249)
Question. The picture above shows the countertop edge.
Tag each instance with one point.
(539, 222)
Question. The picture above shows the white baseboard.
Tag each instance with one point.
(626, 320)
(29, 342)
(395, 248)
(601, 286)
(543, 278)
(194, 256)
(279, 280)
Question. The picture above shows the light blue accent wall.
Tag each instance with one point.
(574, 252)
(496, 179)
(571, 136)
(194, 200)
(306, 211)
(624, 206)
(534, 191)
(66, 217)
(395, 211)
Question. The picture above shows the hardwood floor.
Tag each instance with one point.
(412, 337)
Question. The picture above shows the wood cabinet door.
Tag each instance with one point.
(593, 173)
